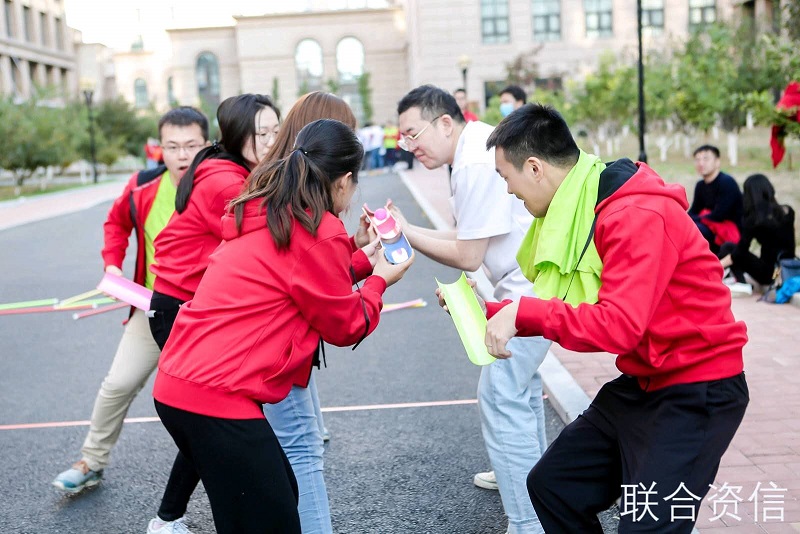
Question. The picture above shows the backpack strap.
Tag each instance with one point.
(585, 247)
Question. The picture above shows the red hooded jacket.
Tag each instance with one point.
(184, 245)
(662, 305)
(255, 323)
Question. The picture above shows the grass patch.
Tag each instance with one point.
(9, 192)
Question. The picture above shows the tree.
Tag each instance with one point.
(118, 120)
(523, 70)
(659, 87)
(365, 92)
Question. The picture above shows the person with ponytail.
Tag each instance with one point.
(280, 282)
(297, 420)
(248, 124)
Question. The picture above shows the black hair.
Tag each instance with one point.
(535, 130)
(298, 187)
(707, 148)
(184, 116)
(759, 204)
(432, 102)
(236, 118)
(517, 92)
(460, 90)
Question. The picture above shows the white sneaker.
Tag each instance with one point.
(741, 290)
(158, 526)
(485, 480)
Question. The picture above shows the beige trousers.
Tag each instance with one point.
(136, 358)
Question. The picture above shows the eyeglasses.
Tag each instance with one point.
(266, 137)
(175, 149)
(405, 141)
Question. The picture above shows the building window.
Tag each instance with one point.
(350, 65)
(653, 16)
(701, 13)
(59, 35)
(10, 19)
(207, 75)
(598, 18)
(494, 21)
(44, 31)
(140, 93)
(308, 66)
(27, 23)
(546, 20)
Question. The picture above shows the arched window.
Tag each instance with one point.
(349, 59)
(140, 93)
(207, 74)
(350, 64)
(308, 62)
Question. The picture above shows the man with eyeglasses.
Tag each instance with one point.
(490, 225)
(146, 205)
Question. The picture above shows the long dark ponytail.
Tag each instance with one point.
(299, 186)
(236, 117)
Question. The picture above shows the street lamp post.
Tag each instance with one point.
(88, 94)
(464, 63)
(642, 150)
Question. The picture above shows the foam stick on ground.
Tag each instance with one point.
(90, 302)
(468, 317)
(28, 304)
(43, 309)
(98, 311)
(82, 296)
(416, 303)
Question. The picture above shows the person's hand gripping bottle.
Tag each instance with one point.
(395, 245)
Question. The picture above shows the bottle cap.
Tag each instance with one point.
(386, 224)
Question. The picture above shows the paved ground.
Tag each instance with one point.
(766, 449)
(394, 470)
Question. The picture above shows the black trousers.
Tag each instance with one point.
(183, 477)
(248, 479)
(747, 262)
(627, 437)
(707, 234)
(165, 310)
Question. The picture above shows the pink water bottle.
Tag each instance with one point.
(396, 247)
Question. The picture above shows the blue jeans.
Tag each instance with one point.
(512, 420)
(295, 424)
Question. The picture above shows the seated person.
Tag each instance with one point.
(717, 205)
(769, 223)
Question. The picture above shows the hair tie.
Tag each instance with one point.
(303, 150)
(216, 147)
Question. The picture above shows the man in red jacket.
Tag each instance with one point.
(146, 204)
(657, 432)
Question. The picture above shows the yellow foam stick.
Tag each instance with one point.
(468, 317)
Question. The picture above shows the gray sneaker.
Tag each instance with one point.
(77, 478)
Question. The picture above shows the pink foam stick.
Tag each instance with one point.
(104, 309)
(125, 290)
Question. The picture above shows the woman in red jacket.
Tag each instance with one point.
(279, 283)
(248, 124)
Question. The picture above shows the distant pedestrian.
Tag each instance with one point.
(512, 98)
(463, 104)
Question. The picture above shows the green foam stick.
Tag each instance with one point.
(468, 317)
(28, 304)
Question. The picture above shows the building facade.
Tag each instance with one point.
(329, 44)
(36, 48)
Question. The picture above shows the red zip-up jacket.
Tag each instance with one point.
(128, 213)
(255, 323)
(184, 245)
(662, 307)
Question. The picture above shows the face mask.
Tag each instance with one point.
(506, 108)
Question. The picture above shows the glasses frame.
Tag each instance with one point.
(189, 149)
(405, 139)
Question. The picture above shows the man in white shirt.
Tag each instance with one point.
(490, 225)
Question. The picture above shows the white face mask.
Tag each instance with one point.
(506, 108)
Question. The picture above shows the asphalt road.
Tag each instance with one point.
(392, 470)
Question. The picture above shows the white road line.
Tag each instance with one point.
(430, 404)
